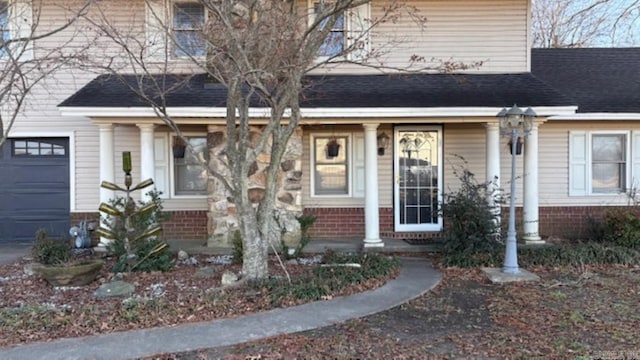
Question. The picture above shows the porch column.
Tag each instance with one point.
(530, 218)
(147, 157)
(492, 163)
(106, 168)
(371, 206)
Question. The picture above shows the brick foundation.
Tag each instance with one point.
(182, 224)
(567, 222)
(333, 223)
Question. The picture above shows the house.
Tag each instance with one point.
(579, 158)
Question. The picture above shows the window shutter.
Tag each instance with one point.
(635, 160)
(358, 35)
(578, 163)
(20, 22)
(156, 28)
(161, 154)
(358, 165)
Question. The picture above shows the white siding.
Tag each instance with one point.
(492, 31)
(554, 163)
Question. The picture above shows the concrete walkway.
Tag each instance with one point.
(417, 276)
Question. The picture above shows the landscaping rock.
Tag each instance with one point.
(114, 289)
(206, 272)
(182, 255)
(229, 278)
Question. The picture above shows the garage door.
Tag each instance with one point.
(34, 188)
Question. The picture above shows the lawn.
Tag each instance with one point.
(584, 312)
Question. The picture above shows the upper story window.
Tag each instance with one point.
(4, 25)
(188, 20)
(16, 18)
(348, 34)
(334, 43)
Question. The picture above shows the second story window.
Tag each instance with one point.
(4, 26)
(335, 41)
(188, 20)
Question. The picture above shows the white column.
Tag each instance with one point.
(530, 226)
(147, 157)
(106, 168)
(371, 206)
(492, 162)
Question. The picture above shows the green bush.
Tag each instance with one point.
(622, 227)
(322, 281)
(237, 248)
(471, 224)
(50, 251)
(590, 253)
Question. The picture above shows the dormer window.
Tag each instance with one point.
(188, 21)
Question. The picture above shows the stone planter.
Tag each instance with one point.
(70, 275)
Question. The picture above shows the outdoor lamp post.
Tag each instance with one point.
(514, 122)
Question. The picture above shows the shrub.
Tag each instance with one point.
(306, 222)
(590, 253)
(322, 281)
(50, 251)
(237, 248)
(622, 228)
(471, 224)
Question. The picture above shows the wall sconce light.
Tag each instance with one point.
(383, 143)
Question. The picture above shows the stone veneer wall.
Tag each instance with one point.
(222, 217)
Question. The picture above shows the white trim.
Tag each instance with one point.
(396, 187)
(596, 116)
(559, 112)
(348, 159)
(72, 155)
(589, 162)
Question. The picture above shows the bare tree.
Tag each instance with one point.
(580, 23)
(23, 63)
(259, 51)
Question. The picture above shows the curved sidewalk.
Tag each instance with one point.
(417, 276)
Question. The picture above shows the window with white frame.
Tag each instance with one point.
(4, 26)
(602, 162)
(187, 23)
(189, 175)
(337, 165)
(334, 43)
(16, 18)
(349, 32)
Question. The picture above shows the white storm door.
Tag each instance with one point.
(418, 178)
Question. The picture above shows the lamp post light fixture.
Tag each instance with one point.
(515, 123)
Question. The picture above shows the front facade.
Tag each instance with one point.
(368, 191)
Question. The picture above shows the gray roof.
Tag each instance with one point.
(340, 91)
(596, 79)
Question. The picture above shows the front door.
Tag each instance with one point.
(418, 174)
